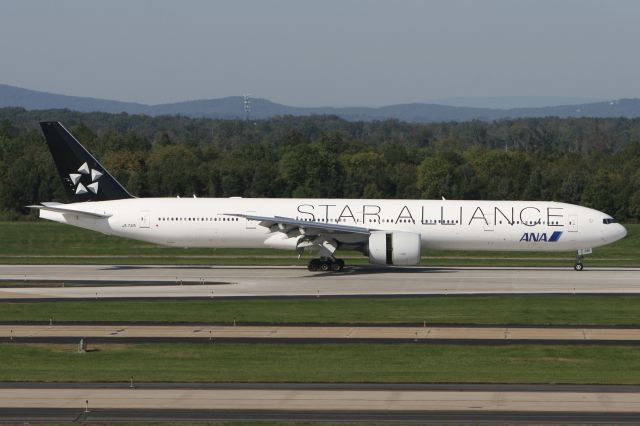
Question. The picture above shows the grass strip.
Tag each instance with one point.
(322, 363)
(507, 310)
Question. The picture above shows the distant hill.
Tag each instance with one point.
(232, 107)
(11, 96)
(507, 102)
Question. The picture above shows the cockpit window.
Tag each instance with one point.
(609, 220)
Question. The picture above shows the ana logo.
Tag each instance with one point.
(85, 171)
(540, 237)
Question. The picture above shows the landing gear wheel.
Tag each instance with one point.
(314, 265)
(326, 265)
(579, 259)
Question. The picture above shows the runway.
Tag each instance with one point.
(304, 402)
(314, 334)
(215, 281)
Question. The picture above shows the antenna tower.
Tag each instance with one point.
(247, 106)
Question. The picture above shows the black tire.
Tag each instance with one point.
(340, 264)
(325, 265)
(578, 266)
(335, 266)
(314, 265)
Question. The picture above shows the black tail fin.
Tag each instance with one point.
(83, 177)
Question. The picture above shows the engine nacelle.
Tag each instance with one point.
(394, 248)
(280, 241)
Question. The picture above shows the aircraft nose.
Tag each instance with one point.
(618, 232)
(614, 232)
(623, 232)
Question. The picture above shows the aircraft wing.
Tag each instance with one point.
(286, 225)
(61, 208)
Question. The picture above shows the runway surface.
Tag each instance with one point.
(295, 281)
(352, 400)
(317, 334)
(405, 403)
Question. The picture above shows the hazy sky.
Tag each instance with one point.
(323, 52)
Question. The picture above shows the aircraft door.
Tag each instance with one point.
(143, 219)
(572, 226)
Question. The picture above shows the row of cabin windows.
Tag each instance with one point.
(198, 219)
(424, 222)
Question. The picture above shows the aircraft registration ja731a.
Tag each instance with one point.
(389, 232)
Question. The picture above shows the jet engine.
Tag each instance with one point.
(394, 248)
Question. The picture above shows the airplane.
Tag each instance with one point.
(387, 231)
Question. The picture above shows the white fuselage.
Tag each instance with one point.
(442, 225)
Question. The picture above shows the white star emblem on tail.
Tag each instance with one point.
(85, 170)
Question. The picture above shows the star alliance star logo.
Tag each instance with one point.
(84, 170)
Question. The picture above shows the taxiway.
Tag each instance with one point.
(315, 334)
(315, 400)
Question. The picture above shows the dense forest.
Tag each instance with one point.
(588, 161)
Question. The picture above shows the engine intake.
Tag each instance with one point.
(394, 248)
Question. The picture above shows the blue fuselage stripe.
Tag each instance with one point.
(555, 236)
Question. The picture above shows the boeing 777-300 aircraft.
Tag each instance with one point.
(389, 232)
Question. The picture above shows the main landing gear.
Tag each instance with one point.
(326, 264)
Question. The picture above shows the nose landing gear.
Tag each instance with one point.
(579, 266)
(326, 264)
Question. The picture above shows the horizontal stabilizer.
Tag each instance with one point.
(61, 208)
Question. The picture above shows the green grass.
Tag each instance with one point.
(53, 243)
(530, 310)
(322, 363)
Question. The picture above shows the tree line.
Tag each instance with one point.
(587, 161)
